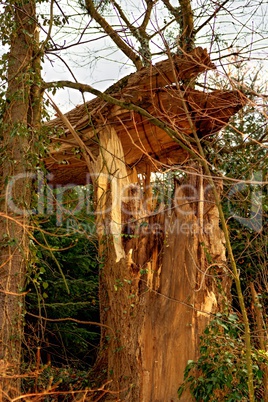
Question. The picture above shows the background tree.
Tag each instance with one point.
(20, 122)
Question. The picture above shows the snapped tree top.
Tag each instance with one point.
(152, 111)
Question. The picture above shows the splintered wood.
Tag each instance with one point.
(160, 90)
(110, 179)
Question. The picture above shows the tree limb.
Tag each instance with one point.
(150, 4)
(113, 35)
(139, 32)
(175, 11)
(187, 37)
(212, 16)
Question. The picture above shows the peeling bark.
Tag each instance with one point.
(110, 178)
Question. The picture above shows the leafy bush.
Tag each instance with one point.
(220, 373)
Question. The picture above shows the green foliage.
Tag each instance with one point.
(220, 373)
(63, 296)
(7, 24)
(240, 154)
(62, 380)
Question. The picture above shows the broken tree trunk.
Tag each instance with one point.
(161, 262)
(158, 283)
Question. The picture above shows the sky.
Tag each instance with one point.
(242, 25)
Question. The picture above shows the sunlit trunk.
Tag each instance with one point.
(159, 276)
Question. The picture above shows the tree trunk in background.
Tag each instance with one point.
(157, 284)
(16, 159)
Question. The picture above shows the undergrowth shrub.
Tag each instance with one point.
(220, 373)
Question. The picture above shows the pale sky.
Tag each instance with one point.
(98, 63)
(243, 24)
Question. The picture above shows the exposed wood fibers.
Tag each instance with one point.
(143, 142)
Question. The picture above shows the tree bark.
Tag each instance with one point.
(187, 36)
(19, 119)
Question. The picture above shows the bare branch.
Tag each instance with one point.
(175, 11)
(113, 35)
(139, 32)
(211, 16)
(86, 151)
(150, 4)
(130, 26)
